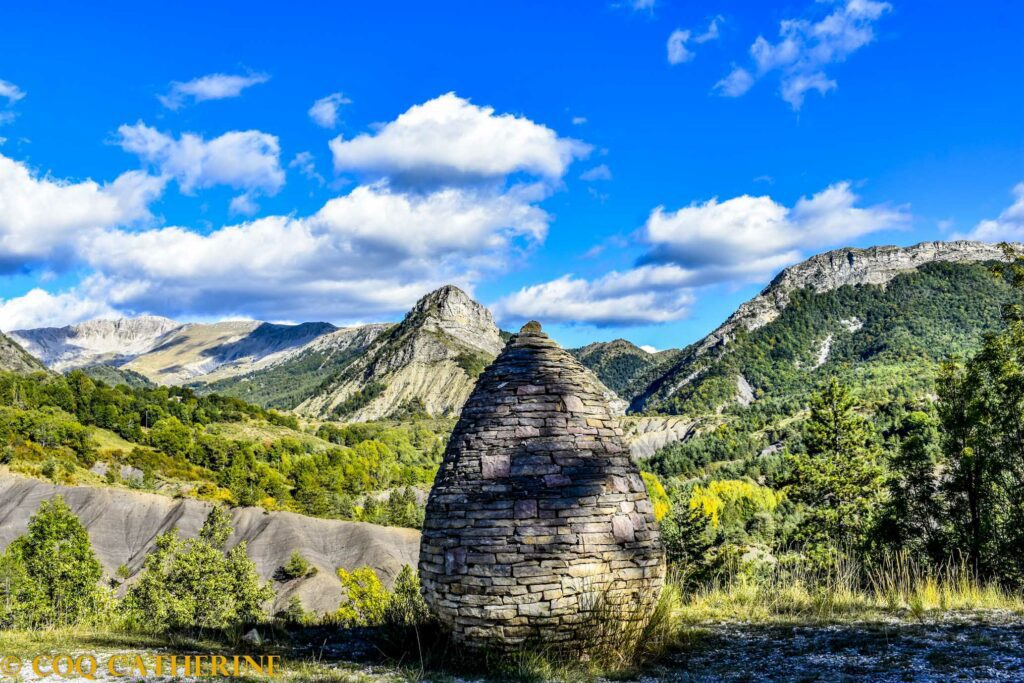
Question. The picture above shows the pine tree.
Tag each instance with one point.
(685, 531)
(912, 516)
(840, 478)
(217, 528)
(981, 403)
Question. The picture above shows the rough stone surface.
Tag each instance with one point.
(525, 531)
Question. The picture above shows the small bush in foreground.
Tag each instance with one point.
(50, 575)
(195, 584)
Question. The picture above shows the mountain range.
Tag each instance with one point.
(844, 306)
(883, 318)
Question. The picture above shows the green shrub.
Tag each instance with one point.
(194, 584)
(296, 567)
(50, 575)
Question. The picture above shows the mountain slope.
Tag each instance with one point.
(15, 359)
(167, 352)
(904, 309)
(429, 361)
(287, 381)
(218, 350)
(123, 526)
(95, 341)
(621, 364)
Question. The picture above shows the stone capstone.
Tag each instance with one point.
(538, 517)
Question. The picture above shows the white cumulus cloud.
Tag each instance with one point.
(39, 308)
(211, 87)
(371, 246)
(449, 139)
(640, 296)
(743, 239)
(365, 254)
(41, 218)
(324, 111)
(242, 159)
(1008, 227)
(750, 237)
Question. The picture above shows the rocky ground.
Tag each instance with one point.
(958, 649)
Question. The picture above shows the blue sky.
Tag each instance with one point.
(613, 169)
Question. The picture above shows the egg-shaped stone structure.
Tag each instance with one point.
(537, 516)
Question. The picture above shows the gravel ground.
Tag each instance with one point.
(959, 649)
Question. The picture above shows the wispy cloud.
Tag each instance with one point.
(305, 164)
(210, 87)
(737, 83)
(678, 41)
(805, 48)
(324, 111)
(10, 92)
(599, 172)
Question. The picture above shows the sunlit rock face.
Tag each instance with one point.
(538, 517)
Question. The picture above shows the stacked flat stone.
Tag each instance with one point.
(538, 517)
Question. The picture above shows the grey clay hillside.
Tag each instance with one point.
(537, 514)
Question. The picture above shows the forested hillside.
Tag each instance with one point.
(883, 434)
(885, 340)
(73, 429)
(622, 365)
(286, 384)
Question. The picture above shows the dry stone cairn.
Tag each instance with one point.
(538, 519)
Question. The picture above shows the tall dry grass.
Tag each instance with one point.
(844, 589)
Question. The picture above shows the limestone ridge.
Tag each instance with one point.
(432, 357)
(537, 513)
(95, 341)
(209, 352)
(168, 352)
(13, 358)
(821, 273)
(849, 266)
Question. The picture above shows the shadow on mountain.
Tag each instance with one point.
(268, 338)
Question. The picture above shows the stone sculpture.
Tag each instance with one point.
(538, 517)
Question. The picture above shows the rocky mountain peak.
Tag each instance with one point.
(103, 340)
(847, 266)
(451, 311)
